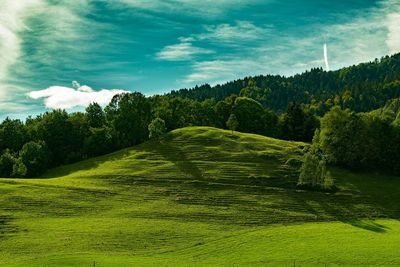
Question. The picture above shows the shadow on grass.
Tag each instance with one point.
(370, 226)
(86, 165)
(358, 206)
(6, 227)
(178, 157)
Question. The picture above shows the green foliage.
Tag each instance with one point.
(129, 115)
(59, 134)
(95, 115)
(19, 169)
(390, 112)
(250, 115)
(222, 113)
(342, 138)
(360, 88)
(232, 122)
(80, 129)
(125, 121)
(157, 128)
(98, 142)
(13, 135)
(254, 92)
(178, 112)
(7, 161)
(34, 156)
(348, 139)
(329, 182)
(296, 124)
(271, 124)
(359, 140)
(313, 172)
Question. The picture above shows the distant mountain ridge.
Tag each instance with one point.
(362, 87)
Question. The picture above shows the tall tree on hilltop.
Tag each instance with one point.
(13, 135)
(249, 114)
(129, 114)
(95, 115)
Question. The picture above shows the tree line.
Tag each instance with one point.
(364, 141)
(361, 88)
(54, 138)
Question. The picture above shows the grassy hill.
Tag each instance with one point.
(199, 196)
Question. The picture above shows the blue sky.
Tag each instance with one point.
(64, 54)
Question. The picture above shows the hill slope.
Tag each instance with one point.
(200, 196)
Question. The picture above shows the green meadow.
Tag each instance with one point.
(198, 196)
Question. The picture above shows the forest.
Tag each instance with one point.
(361, 88)
(351, 116)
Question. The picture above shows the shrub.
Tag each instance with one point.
(157, 128)
(232, 123)
(313, 172)
(7, 161)
(19, 170)
(34, 157)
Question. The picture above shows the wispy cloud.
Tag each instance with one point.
(204, 8)
(244, 51)
(59, 97)
(12, 15)
(221, 34)
(393, 38)
(218, 71)
(50, 27)
(182, 51)
(232, 33)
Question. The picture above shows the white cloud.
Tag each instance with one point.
(204, 8)
(392, 21)
(12, 14)
(182, 51)
(393, 38)
(58, 23)
(59, 97)
(219, 71)
(13, 107)
(224, 34)
(238, 32)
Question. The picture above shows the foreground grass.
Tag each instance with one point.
(199, 196)
(311, 244)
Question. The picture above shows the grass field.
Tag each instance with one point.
(199, 196)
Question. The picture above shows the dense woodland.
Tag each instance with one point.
(361, 88)
(352, 115)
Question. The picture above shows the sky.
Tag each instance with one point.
(66, 54)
